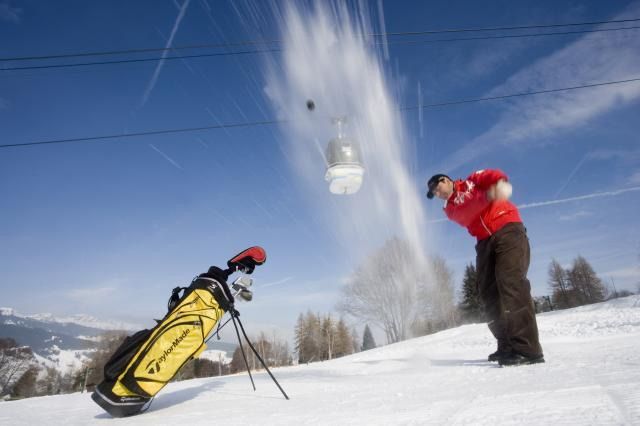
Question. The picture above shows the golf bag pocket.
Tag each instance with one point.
(149, 359)
(122, 356)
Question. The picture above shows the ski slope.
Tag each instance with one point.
(591, 377)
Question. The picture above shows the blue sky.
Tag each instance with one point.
(109, 227)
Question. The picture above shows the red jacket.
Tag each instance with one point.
(468, 205)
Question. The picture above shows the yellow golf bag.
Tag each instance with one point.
(146, 361)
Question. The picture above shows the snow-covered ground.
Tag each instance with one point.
(591, 377)
(65, 361)
(216, 355)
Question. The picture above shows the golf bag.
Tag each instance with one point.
(146, 361)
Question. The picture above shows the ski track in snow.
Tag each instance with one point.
(591, 377)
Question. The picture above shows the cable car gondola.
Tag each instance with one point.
(344, 163)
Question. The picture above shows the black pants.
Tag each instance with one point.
(502, 263)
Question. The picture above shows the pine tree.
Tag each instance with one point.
(367, 339)
(308, 338)
(585, 283)
(470, 307)
(343, 341)
(237, 361)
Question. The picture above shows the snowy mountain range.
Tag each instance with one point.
(81, 320)
(42, 331)
(59, 342)
(591, 377)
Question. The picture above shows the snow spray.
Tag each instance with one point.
(330, 68)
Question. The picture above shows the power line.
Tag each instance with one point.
(513, 28)
(511, 36)
(266, 42)
(274, 50)
(259, 42)
(271, 122)
(142, 50)
(538, 92)
(148, 133)
(127, 61)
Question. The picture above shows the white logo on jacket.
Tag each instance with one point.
(462, 196)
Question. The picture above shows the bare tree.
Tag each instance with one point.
(543, 304)
(436, 298)
(327, 329)
(355, 343)
(562, 294)
(25, 387)
(49, 383)
(279, 351)
(274, 352)
(383, 290)
(198, 368)
(15, 361)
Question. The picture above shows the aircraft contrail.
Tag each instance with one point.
(166, 157)
(165, 52)
(581, 197)
(567, 200)
(282, 281)
(573, 172)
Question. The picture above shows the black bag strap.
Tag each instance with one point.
(175, 298)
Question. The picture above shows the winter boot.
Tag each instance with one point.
(514, 359)
(498, 355)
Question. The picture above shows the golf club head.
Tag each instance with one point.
(246, 295)
(243, 281)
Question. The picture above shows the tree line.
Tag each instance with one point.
(273, 350)
(321, 337)
(576, 285)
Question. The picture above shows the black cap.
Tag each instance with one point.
(433, 182)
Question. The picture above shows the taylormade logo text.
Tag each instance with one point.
(154, 366)
(174, 345)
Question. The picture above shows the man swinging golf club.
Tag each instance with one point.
(481, 204)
